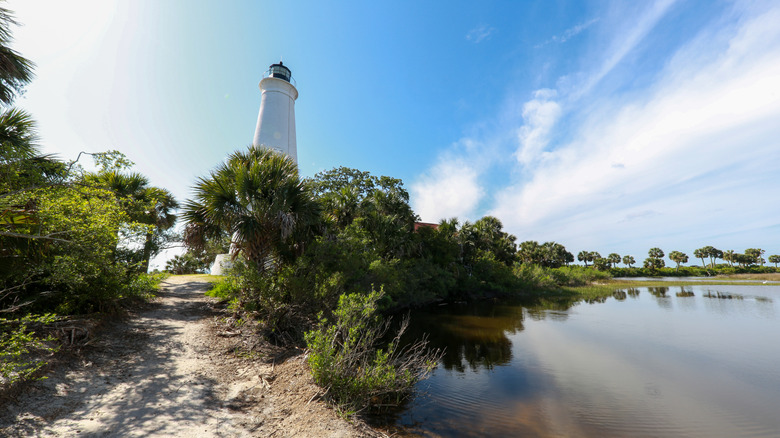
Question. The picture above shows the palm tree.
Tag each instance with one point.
(22, 170)
(151, 206)
(728, 256)
(584, 256)
(15, 71)
(258, 198)
(678, 257)
(159, 215)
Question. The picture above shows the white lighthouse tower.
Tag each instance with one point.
(275, 126)
(276, 120)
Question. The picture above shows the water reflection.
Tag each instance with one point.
(723, 295)
(659, 291)
(685, 292)
(662, 363)
(473, 336)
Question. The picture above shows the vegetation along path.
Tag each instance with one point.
(168, 371)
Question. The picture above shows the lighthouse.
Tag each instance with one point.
(275, 126)
(276, 120)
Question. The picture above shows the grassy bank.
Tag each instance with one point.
(606, 288)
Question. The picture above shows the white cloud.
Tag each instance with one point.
(540, 115)
(450, 189)
(697, 154)
(687, 161)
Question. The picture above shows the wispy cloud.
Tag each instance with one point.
(692, 157)
(570, 33)
(627, 41)
(686, 147)
(480, 33)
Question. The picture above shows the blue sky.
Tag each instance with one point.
(607, 126)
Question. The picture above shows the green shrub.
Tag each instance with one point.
(536, 276)
(226, 288)
(345, 360)
(539, 277)
(17, 343)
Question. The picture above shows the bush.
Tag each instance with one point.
(73, 268)
(226, 288)
(17, 343)
(283, 307)
(539, 277)
(356, 375)
(185, 263)
(536, 276)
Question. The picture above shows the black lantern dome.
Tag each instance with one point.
(279, 71)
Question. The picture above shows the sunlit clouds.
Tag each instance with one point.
(540, 115)
(691, 159)
(451, 189)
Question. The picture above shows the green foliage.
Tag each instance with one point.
(754, 255)
(654, 259)
(15, 71)
(277, 298)
(346, 360)
(678, 257)
(257, 197)
(59, 248)
(226, 288)
(65, 250)
(149, 209)
(653, 263)
(601, 263)
(710, 252)
(549, 254)
(486, 236)
(185, 263)
(539, 277)
(111, 162)
(17, 342)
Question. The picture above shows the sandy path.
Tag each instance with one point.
(149, 377)
(163, 373)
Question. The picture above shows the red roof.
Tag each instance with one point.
(418, 225)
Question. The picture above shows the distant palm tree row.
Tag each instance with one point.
(654, 260)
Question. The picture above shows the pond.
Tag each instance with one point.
(651, 361)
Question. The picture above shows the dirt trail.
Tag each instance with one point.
(166, 373)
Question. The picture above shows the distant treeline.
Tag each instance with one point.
(750, 261)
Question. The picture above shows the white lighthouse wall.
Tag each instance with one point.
(276, 121)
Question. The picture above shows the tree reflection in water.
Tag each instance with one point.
(685, 292)
(475, 336)
(723, 295)
(620, 295)
(659, 291)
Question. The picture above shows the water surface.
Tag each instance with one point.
(651, 361)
